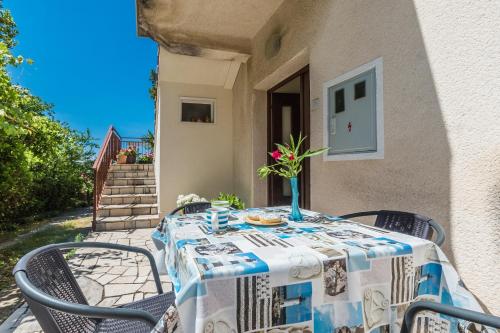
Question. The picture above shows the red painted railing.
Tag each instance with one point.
(107, 153)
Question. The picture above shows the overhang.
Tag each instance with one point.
(217, 29)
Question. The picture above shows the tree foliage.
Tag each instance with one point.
(44, 164)
(153, 90)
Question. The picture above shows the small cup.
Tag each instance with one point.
(217, 218)
(220, 203)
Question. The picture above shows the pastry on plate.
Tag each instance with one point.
(270, 219)
(253, 217)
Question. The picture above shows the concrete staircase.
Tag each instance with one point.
(129, 199)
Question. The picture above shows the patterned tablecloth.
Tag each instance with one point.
(319, 275)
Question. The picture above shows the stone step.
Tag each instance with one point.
(130, 174)
(130, 189)
(127, 222)
(118, 199)
(130, 181)
(127, 209)
(132, 167)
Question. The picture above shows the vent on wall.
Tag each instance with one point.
(273, 44)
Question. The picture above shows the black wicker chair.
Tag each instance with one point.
(190, 208)
(471, 317)
(407, 223)
(59, 305)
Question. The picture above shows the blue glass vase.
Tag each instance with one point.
(295, 215)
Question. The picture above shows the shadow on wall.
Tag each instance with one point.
(414, 176)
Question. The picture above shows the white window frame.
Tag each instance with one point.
(376, 64)
(198, 100)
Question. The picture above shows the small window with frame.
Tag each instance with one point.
(197, 110)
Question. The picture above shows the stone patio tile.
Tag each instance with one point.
(148, 287)
(108, 301)
(94, 276)
(89, 261)
(117, 270)
(138, 296)
(129, 262)
(102, 269)
(106, 278)
(121, 289)
(107, 261)
(141, 279)
(144, 270)
(125, 299)
(91, 289)
(124, 241)
(130, 271)
(124, 279)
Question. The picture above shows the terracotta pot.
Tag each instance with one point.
(122, 159)
(131, 159)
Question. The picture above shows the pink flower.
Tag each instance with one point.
(276, 155)
(291, 157)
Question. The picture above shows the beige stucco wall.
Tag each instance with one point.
(442, 127)
(194, 157)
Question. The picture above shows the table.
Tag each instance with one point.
(320, 275)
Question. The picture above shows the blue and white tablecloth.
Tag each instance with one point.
(319, 275)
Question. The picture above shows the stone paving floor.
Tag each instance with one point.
(107, 277)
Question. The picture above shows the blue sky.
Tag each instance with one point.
(89, 62)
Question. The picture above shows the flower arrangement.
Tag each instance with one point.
(127, 155)
(288, 164)
(288, 159)
(184, 199)
(146, 158)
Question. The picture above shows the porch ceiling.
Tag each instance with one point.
(196, 70)
(218, 29)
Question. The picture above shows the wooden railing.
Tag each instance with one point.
(109, 149)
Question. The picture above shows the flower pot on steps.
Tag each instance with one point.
(131, 159)
(122, 159)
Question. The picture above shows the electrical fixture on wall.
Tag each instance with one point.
(274, 43)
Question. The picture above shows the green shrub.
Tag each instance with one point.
(233, 200)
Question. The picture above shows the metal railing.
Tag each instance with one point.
(110, 148)
(141, 146)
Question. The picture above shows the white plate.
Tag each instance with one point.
(261, 224)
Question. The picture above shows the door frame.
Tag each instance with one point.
(305, 125)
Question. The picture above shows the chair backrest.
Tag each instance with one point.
(406, 223)
(48, 271)
(191, 208)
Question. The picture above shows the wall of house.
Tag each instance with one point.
(194, 157)
(158, 144)
(442, 132)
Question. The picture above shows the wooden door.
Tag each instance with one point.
(288, 113)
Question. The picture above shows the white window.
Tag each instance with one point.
(353, 114)
(197, 110)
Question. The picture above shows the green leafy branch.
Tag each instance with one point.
(288, 159)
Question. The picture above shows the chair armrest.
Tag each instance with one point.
(358, 214)
(472, 316)
(31, 292)
(440, 233)
(21, 265)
